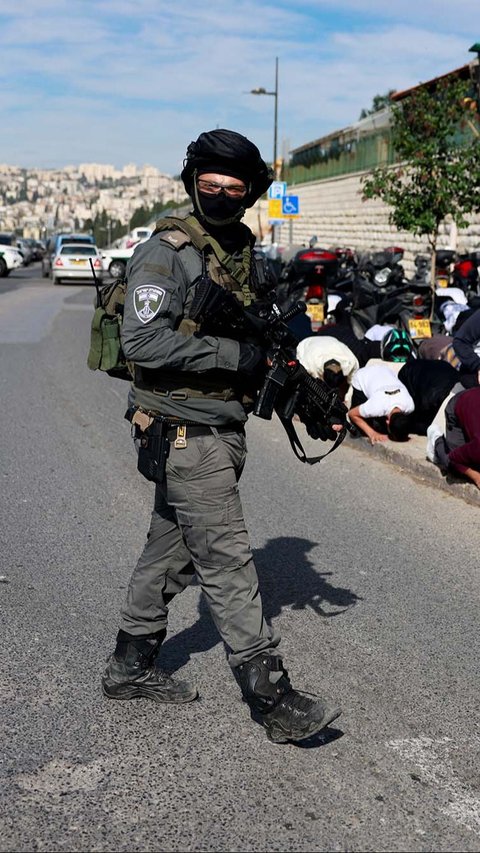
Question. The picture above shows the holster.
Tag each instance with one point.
(153, 445)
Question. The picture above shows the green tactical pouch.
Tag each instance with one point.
(105, 351)
(105, 347)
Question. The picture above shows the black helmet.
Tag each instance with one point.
(225, 151)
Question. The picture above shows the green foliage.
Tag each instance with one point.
(437, 143)
(378, 103)
(104, 229)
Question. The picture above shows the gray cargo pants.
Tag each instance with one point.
(198, 527)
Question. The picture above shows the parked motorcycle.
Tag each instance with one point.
(444, 261)
(341, 285)
(456, 289)
(465, 273)
(381, 295)
(383, 269)
(306, 276)
(420, 322)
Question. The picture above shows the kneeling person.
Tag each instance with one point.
(380, 404)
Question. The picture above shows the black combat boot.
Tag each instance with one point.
(285, 713)
(131, 672)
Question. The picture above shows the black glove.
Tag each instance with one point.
(251, 357)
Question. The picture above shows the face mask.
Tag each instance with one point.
(219, 209)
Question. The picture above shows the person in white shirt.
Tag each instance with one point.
(380, 404)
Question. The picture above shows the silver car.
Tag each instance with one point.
(72, 261)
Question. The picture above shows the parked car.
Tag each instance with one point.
(72, 262)
(54, 244)
(115, 261)
(24, 247)
(11, 239)
(8, 238)
(138, 235)
(10, 259)
(38, 250)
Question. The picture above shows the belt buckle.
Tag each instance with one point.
(181, 439)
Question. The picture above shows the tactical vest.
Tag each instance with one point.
(223, 269)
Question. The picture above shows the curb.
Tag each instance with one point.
(411, 459)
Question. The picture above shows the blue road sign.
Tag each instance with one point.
(290, 205)
(277, 189)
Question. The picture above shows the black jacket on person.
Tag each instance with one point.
(429, 382)
(464, 341)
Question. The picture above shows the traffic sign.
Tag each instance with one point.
(290, 206)
(277, 189)
(275, 208)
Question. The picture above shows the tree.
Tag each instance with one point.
(437, 148)
(379, 102)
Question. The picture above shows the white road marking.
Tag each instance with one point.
(431, 758)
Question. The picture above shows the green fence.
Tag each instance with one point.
(339, 156)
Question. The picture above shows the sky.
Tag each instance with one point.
(114, 81)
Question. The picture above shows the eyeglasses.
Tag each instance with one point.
(211, 188)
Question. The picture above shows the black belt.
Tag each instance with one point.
(192, 430)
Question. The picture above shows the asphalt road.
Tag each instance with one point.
(372, 579)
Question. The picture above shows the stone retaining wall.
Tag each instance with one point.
(333, 210)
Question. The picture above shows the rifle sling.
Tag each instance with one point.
(297, 447)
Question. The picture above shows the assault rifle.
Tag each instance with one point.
(288, 389)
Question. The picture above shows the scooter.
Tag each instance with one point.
(383, 269)
(341, 286)
(444, 261)
(465, 273)
(306, 277)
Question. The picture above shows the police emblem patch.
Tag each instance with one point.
(147, 301)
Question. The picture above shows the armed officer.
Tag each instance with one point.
(194, 390)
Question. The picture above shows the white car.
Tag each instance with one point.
(72, 261)
(10, 259)
(115, 260)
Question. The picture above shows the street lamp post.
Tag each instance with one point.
(262, 91)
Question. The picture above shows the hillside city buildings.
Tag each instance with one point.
(35, 202)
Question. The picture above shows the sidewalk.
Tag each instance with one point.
(410, 457)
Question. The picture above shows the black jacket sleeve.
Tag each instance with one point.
(464, 341)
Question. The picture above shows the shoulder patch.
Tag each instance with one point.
(175, 238)
(147, 301)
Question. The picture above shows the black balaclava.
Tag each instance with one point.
(219, 210)
(220, 213)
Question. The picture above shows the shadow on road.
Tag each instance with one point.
(288, 578)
